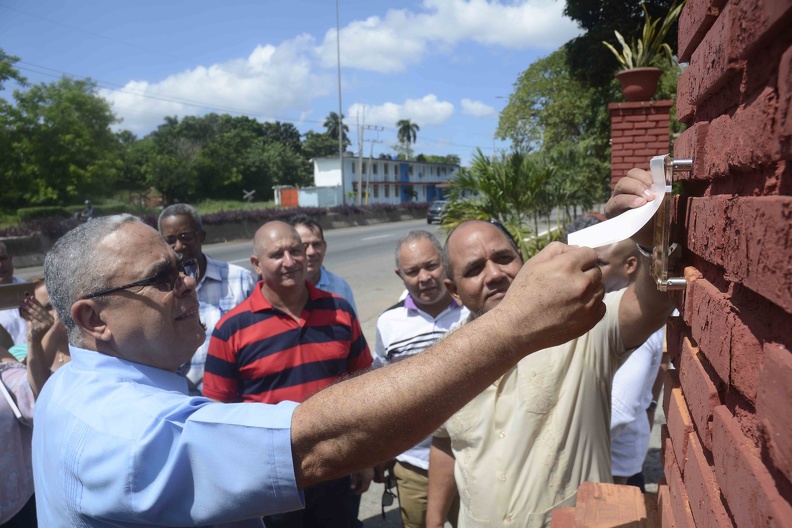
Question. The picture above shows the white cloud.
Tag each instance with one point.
(271, 83)
(392, 43)
(477, 108)
(427, 111)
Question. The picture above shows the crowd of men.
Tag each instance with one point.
(200, 393)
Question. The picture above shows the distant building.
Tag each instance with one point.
(388, 181)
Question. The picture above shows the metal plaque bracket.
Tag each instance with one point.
(665, 251)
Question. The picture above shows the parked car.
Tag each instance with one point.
(436, 211)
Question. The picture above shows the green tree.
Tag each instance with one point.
(8, 71)
(599, 18)
(334, 126)
(549, 107)
(317, 145)
(61, 147)
(407, 134)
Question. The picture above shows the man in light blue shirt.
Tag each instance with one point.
(119, 442)
(312, 237)
(221, 286)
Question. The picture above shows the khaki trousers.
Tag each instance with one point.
(412, 484)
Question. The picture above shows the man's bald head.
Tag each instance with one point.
(279, 256)
(619, 263)
(271, 231)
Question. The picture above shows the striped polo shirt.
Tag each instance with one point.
(258, 353)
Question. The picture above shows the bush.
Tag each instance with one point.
(26, 214)
(56, 226)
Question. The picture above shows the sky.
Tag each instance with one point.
(448, 65)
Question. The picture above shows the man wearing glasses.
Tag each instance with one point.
(221, 286)
(119, 442)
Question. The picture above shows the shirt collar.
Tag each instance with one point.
(260, 303)
(324, 279)
(90, 360)
(409, 303)
(212, 270)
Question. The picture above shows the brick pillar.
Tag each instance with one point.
(639, 131)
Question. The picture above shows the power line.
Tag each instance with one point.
(97, 35)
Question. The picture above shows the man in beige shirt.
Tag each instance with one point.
(524, 445)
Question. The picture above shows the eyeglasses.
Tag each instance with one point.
(387, 495)
(186, 237)
(165, 281)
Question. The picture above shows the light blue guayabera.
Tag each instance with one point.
(118, 443)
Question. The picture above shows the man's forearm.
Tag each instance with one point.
(442, 487)
(368, 419)
(556, 296)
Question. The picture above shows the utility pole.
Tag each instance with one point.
(340, 114)
(360, 160)
(378, 129)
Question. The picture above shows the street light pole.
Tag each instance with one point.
(340, 114)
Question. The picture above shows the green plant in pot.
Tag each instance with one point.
(640, 59)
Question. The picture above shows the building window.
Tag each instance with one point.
(374, 167)
(387, 191)
(385, 169)
(376, 191)
(364, 168)
(410, 171)
(353, 167)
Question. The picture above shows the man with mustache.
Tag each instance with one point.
(523, 446)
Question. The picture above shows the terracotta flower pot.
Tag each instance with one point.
(639, 84)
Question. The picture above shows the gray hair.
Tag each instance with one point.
(418, 234)
(73, 268)
(180, 209)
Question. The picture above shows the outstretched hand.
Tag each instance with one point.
(38, 318)
(557, 295)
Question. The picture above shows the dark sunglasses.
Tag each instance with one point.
(387, 495)
(165, 281)
(186, 237)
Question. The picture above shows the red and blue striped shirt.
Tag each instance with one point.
(258, 353)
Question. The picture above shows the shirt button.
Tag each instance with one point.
(502, 434)
(509, 518)
(502, 476)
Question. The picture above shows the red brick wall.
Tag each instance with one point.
(639, 131)
(728, 441)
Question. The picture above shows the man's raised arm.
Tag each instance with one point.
(557, 296)
(643, 307)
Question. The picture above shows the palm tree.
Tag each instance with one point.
(407, 134)
(333, 124)
(510, 188)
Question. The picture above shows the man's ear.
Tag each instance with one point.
(201, 236)
(631, 266)
(398, 274)
(85, 313)
(451, 287)
(254, 261)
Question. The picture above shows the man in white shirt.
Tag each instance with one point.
(408, 328)
(631, 397)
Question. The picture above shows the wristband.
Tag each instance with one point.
(652, 406)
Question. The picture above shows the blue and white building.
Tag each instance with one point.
(389, 181)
